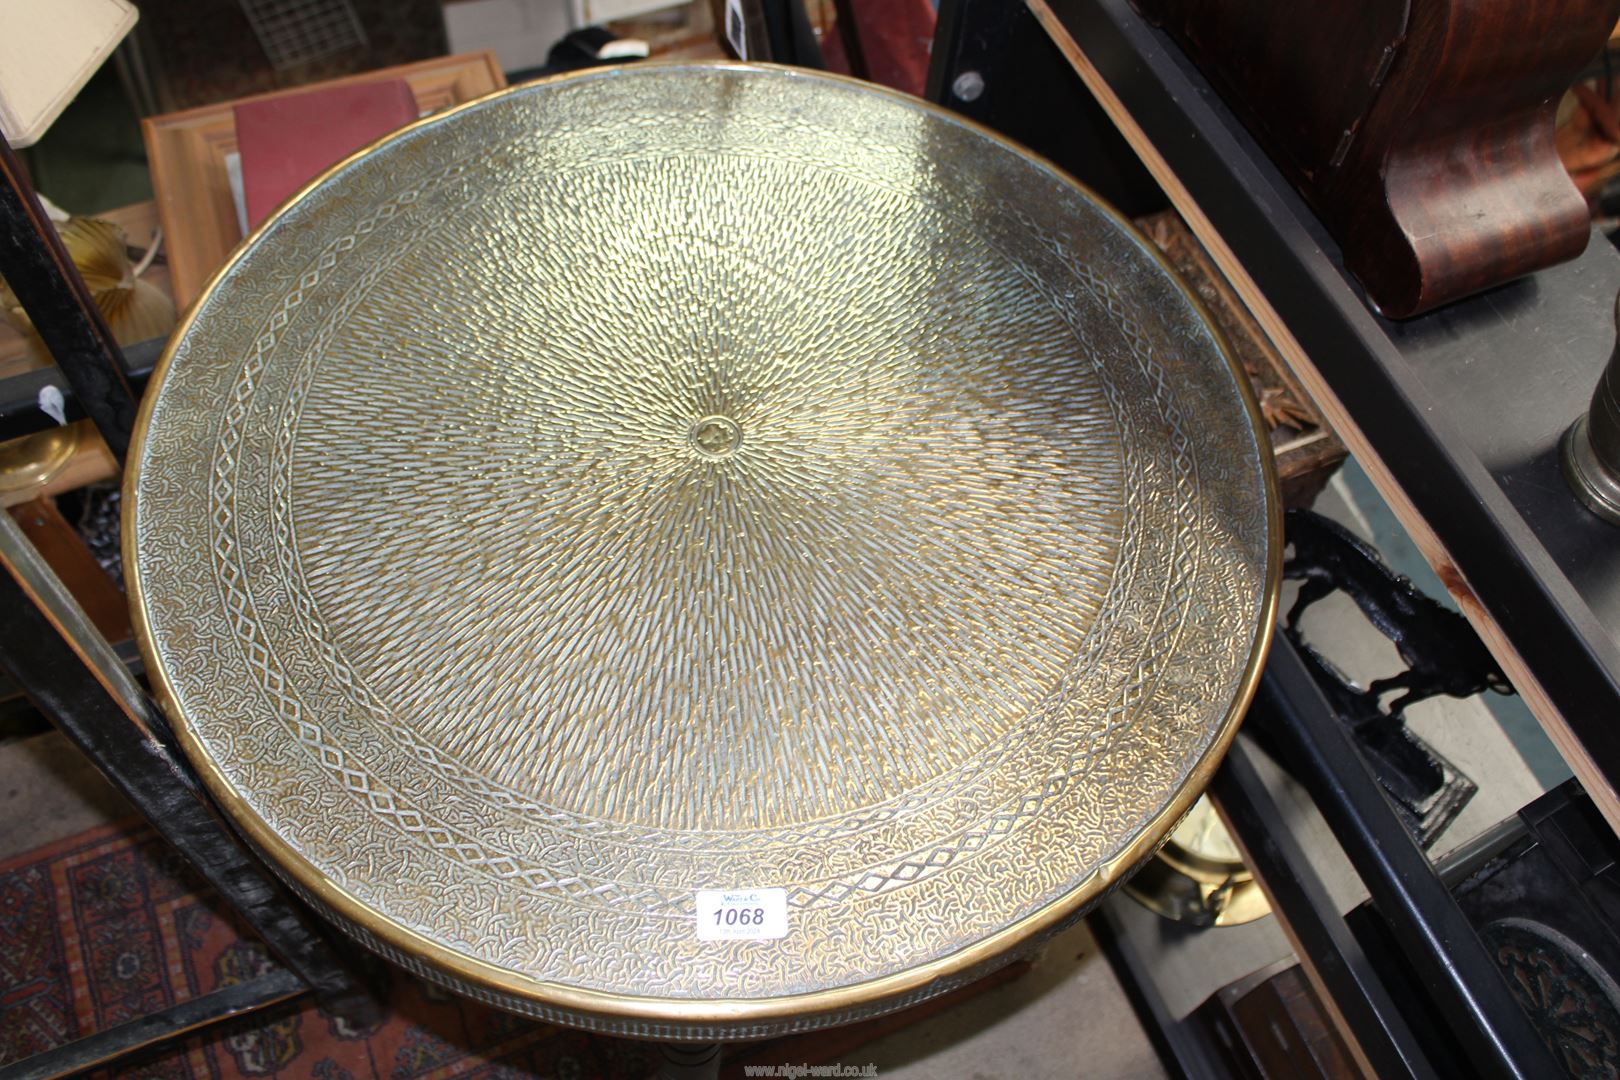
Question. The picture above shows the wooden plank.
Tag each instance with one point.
(1339, 418)
(65, 551)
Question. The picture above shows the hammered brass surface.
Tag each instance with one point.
(700, 477)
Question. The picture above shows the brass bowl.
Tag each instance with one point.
(30, 462)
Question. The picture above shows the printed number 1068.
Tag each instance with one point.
(739, 917)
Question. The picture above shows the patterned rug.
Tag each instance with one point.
(111, 924)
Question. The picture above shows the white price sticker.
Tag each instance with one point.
(741, 914)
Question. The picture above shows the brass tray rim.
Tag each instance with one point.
(456, 966)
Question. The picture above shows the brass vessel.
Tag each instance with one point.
(1199, 876)
(28, 463)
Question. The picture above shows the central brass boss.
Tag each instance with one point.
(716, 436)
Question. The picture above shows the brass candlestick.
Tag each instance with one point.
(1591, 450)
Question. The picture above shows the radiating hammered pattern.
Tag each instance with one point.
(698, 477)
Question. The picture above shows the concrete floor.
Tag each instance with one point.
(1066, 1018)
(48, 791)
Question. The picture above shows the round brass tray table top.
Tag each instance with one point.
(700, 477)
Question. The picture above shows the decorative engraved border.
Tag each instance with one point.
(924, 865)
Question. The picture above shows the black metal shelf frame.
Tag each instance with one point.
(1464, 409)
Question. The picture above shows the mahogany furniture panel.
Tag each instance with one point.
(1420, 130)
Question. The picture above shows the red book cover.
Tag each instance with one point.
(287, 141)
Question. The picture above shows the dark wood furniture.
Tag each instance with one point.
(1420, 130)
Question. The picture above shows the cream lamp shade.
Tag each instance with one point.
(48, 51)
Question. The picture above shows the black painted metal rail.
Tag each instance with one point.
(1464, 407)
(1278, 857)
(1458, 974)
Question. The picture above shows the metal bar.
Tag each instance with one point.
(72, 675)
(1434, 934)
(1317, 927)
(36, 265)
(22, 411)
(150, 1032)
(1466, 433)
(1181, 1048)
(849, 32)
